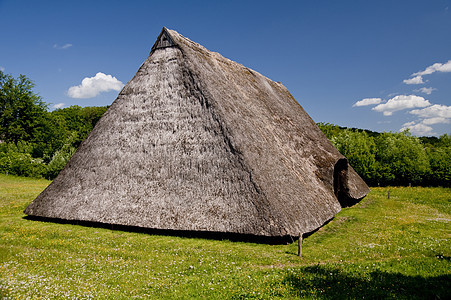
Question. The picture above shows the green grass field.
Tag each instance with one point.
(397, 248)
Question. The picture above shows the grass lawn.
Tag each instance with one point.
(397, 248)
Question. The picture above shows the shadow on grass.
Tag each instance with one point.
(211, 235)
(332, 283)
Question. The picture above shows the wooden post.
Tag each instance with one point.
(300, 245)
(388, 194)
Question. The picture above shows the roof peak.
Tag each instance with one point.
(164, 40)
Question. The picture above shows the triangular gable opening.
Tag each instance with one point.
(164, 40)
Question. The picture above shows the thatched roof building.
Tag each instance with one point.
(196, 142)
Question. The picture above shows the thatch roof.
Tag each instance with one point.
(197, 142)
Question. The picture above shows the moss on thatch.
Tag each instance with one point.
(196, 142)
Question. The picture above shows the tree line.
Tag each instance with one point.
(35, 142)
(394, 158)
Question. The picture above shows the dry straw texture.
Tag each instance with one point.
(196, 142)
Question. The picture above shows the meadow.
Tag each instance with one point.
(382, 248)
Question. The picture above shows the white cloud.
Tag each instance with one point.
(417, 129)
(401, 102)
(436, 120)
(63, 47)
(437, 67)
(434, 114)
(415, 80)
(58, 105)
(368, 101)
(408, 124)
(90, 87)
(434, 111)
(2, 68)
(426, 90)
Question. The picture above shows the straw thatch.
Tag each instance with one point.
(196, 142)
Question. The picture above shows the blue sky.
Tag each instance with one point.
(379, 65)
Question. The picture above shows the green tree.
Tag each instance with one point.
(439, 155)
(360, 150)
(401, 159)
(21, 110)
(330, 130)
(80, 120)
(33, 141)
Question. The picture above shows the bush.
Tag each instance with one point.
(15, 159)
(61, 157)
